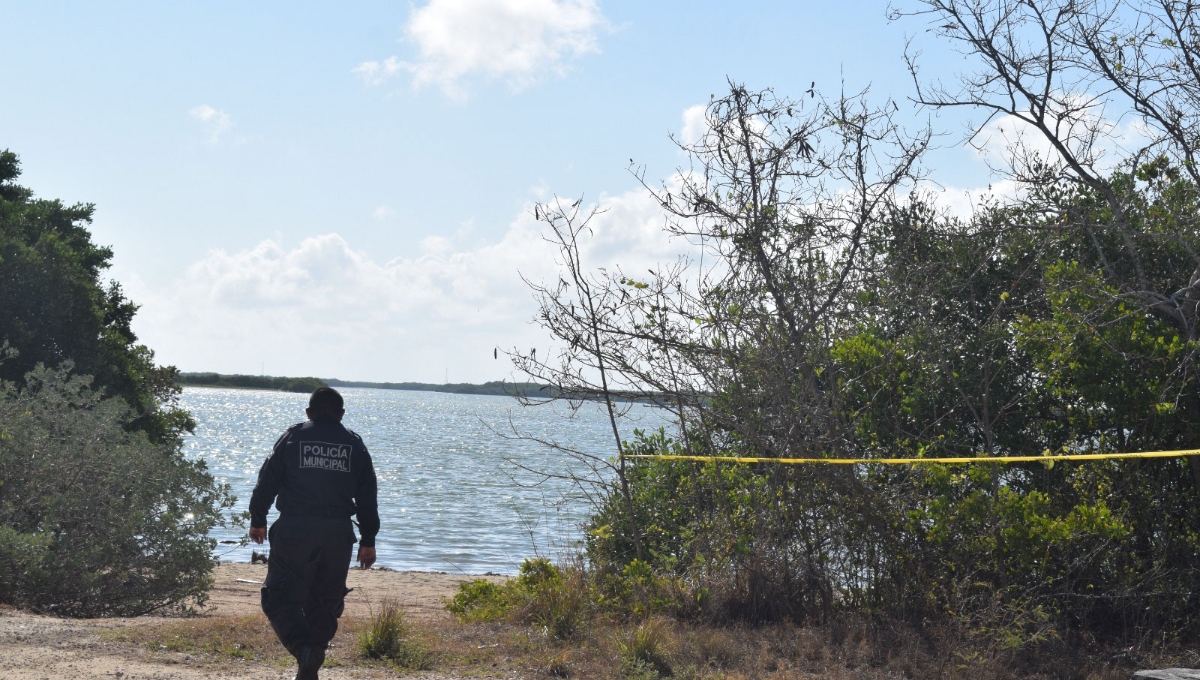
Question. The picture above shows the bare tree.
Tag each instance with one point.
(784, 202)
(787, 198)
(576, 310)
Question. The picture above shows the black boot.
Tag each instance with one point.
(310, 659)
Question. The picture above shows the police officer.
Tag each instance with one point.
(322, 475)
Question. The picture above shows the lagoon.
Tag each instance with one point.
(453, 495)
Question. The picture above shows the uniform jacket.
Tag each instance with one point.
(319, 468)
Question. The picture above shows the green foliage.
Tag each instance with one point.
(55, 307)
(542, 594)
(100, 513)
(551, 599)
(1007, 335)
(537, 571)
(97, 519)
(562, 601)
(720, 539)
(480, 600)
(638, 591)
(388, 637)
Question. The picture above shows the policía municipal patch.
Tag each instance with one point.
(325, 456)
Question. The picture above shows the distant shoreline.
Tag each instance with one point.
(497, 388)
(308, 384)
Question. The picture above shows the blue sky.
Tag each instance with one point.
(278, 201)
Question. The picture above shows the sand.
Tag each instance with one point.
(420, 593)
(34, 647)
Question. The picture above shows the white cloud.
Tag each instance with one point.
(1099, 142)
(325, 307)
(519, 42)
(383, 212)
(375, 73)
(962, 202)
(215, 123)
(694, 124)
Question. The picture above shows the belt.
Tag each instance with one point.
(327, 513)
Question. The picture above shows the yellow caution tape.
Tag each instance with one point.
(951, 461)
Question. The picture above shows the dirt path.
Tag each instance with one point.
(46, 648)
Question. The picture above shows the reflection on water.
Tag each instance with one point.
(448, 499)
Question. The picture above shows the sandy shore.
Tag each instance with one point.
(36, 647)
(420, 593)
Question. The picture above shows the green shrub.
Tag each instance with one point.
(542, 594)
(561, 600)
(559, 605)
(638, 591)
(388, 637)
(535, 571)
(480, 600)
(96, 519)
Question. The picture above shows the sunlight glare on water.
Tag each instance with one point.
(447, 496)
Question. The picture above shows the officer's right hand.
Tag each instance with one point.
(258, 534)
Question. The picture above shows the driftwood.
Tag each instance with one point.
(1168, 674)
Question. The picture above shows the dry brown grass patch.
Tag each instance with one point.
(223, 640)
(851, 649)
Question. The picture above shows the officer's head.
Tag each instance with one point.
(325, 402)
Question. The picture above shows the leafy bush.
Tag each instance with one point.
(542, 594)
(638, 591)
(563, 600)
(480, 600)
(554, 600)
(96, 518)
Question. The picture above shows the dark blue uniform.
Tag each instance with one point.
(319, 475)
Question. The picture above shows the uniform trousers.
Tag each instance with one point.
(305, 589)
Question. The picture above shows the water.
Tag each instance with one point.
(452, 494)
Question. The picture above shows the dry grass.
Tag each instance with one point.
(228, 640)
(388, 636)
(225, 638)
(843, 650)
(646, 650)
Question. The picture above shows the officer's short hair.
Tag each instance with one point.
(326, 399)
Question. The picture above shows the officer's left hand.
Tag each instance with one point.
(258, 534)
(366, 556)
